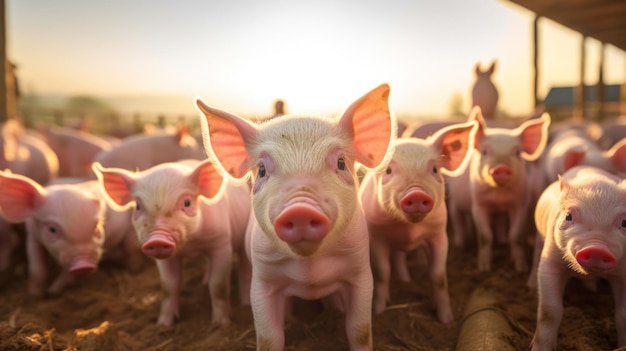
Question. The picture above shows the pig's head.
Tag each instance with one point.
(591, 228)
(166, 200)
(612, 160)
(187, 146)
(413, 183)
(67, 219)
(503, 152)
(305, 185)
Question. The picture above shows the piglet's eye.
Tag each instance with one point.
(623, 223)
(568, 217)
(187, 203)
(388, 171)
(341, 164)
(261, 171)
(435, 169)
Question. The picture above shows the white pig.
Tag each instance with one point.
(571, 148)
(71, 222)
(307, 235)
(75, 149)
(180, 211)
(25, 154)
(142, 151)
(581, 219)
(405, 208)
(499, 188)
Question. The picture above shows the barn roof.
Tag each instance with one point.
(604, 20)
(566, 96)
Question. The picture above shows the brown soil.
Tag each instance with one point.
(113, 309)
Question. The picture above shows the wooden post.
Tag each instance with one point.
(600, 91)
(4, 111)
(536, 61)
(579, 98)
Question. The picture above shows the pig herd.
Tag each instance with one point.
(319, 208)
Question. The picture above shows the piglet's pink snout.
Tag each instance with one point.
(596, 258)
(82, 266)
(416, 201)
(502, 174)
(159, 245)
(301, 220)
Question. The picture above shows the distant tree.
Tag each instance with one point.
(456, 104)
(82, 105)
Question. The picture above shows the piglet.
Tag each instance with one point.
(571, 148)
(75, 149)
(142, 151)
(307, 235)
(405, 208)
(25, 154)
(499, 191)
(71, 222)
(181, 211)
(581, 220)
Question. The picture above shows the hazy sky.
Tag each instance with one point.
(319, 56)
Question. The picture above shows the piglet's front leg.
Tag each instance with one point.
(64, 279)
(382, 271)
(219, 285)
(485, 237)
(358, 301)
(438, 256)
(37, 269)
(169, 272)
(551, 281)
(619, 296)
(516, 236)
(268, 308)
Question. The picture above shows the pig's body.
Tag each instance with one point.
(581, 219)
(70, 222)
(24, 154)
(142, 151)
(405, 208)
(484, 92)
(576, 148)
(499, 187)
(27, 154)
(308, 235)
(75, 149)
(182, 210)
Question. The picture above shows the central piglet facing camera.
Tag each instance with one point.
(308, 236)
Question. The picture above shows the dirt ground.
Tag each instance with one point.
(113, 309)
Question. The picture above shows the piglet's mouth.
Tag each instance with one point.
(159, 245)
(81, 266)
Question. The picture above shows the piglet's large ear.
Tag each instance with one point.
(476, 114)
(369, 122)
(534, 135)
(20, 196)
(617, 155)
(225, 136)
(455, 143)
(116, 184)
(209, 180)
